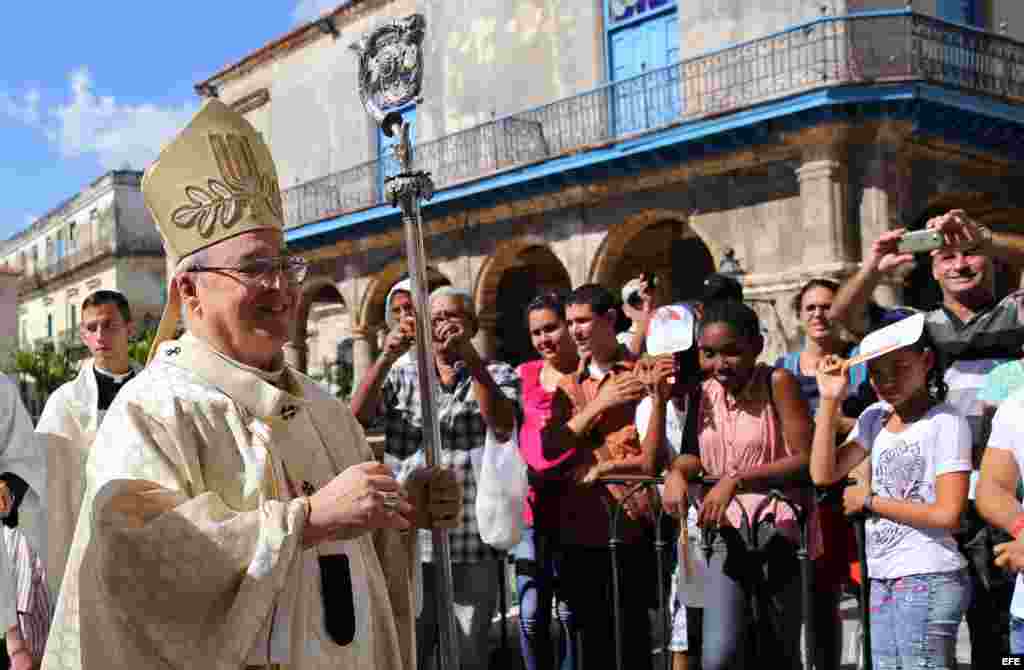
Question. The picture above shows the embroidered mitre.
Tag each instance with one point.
(215, 180)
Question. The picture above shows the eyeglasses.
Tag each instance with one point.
(264, 270)
(443, 317)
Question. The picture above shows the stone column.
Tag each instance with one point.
(823, 193)
(364, 350)
(296, 352)
(886, 197)
(486, 340)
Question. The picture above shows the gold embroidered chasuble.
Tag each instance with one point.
(187, 553)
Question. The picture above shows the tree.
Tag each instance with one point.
(138, 350)
(39, 373)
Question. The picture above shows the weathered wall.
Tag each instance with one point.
(8, 314)
(712, 24)
(482, 59)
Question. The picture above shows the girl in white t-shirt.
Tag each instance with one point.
(920, 450)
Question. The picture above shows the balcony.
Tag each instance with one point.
(876, 47)
(83, 256)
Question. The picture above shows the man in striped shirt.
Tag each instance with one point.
(974, 332)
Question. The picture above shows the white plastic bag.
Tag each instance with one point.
(501, 491)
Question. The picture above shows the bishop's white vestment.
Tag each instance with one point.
(187, 553)
(66, 431)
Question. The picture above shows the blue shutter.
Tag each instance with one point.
(627, 56)
(645, 47)
(956, 11)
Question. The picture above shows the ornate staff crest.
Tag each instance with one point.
(390, 68)
(241, 185)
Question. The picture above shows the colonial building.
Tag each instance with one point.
(100, 238)
(590, 140)
(9, 280)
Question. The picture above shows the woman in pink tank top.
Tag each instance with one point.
(537, 555)
(752, 425)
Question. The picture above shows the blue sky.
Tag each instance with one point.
(95, 86)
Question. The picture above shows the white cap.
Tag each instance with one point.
(635, 285)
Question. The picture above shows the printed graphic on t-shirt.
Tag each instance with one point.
(899, 474)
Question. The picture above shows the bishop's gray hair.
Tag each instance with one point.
(192, 261)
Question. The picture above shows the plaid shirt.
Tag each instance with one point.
(463, 432)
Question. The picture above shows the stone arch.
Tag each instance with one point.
(505, 256)
(317, 290)
(613, 247)
(518, 270)
(659, 241)
(371, 308)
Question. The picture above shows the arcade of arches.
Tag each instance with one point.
(505, 283)
(807, 208)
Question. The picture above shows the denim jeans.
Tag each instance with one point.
(537, 559)
(585, 573)
(914, 620)
(738, 578)
(475, 595)
(1016, 635)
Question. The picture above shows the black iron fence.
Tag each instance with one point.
(875, 47)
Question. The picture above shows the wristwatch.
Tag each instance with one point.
(867, 502)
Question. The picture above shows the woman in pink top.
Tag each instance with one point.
(753, 425)
(537, 554)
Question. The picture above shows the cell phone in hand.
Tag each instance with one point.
(919, 242)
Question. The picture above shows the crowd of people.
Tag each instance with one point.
(218, 509)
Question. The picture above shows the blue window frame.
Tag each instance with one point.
(625, 10)
(643, 39)
(388, 162)
(961, 58)
(958, 11)
(49, 325)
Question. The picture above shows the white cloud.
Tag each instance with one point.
(307, 10)
(117, 134)
(24, 109)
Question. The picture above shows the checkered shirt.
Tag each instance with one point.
(463, 432)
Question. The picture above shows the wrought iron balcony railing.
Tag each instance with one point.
(38, 277)
(875, 47)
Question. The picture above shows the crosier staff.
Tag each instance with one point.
(390, 75)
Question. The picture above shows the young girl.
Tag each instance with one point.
(752, 425)
(920, 451)
(536, 555)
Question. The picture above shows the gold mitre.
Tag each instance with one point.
(214, 181)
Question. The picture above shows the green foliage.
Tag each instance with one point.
(47, 369)
(139, 349)
(337, 377)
